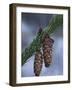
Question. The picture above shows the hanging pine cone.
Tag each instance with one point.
(38, 63)
(47, 50)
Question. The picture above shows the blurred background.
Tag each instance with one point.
(30, 24)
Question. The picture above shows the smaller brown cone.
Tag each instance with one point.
(38, 63)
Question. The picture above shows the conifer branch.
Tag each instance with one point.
(54, 23)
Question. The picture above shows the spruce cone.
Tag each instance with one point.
(47, 50)
(38, 63)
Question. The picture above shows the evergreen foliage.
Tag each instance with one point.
(55, 22)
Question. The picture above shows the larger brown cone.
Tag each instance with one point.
(47, 50)
(38, 63)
